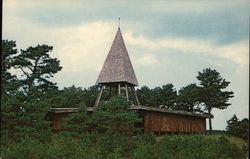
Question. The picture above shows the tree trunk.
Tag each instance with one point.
(210, 120)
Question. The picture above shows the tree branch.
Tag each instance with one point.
(24, 72)
(35, 66)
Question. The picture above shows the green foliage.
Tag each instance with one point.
(144, 95)
(114, 115)
(169, 96)
(22, 115)
(91, 94)
(211, 91)
(189, 98)
(69, 97)
(108, 133)
(183, 146)
(76, 123)
(24, 97)
(113, 145)
(223, 145)
(9, 82)
(238, 128)
(144, 146)
(164, 96)
(37, 66)
(73, 97)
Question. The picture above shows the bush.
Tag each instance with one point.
(238, 128)
(111, 145)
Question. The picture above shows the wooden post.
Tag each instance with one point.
(136, 99)
(110, 92)
(99, 96)
(145, 123)
(126, 90)
(119, 88)
(132, 95)
(116, 90)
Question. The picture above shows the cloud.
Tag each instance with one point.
(85, 46)
(236, 52)
(195, 6)
(146, 60)
(81, 47)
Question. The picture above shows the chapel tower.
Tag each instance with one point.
(117, 71)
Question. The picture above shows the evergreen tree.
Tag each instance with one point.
(36, 67)
(90, 95)
(77, 123)
(144, 95)
(211, 92)
(164, 96)
(23, 111)
(169, 96)
(238, 128)
(9, 82)
(114, 115)
(232, 125)
(157, 97)
(189, 99)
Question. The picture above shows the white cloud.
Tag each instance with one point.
(236, 52)
(85, 46)
(194, 6)
(78, 48)
(31, 4)
(146, 60)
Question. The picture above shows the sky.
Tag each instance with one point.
(167, 41)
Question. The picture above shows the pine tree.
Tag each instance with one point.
(169, 96)
(37, 67)
(24, 107)
(211, 92)
(232, 125)
(144, 95)
(189, 99)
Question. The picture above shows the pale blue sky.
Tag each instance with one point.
(168, 41)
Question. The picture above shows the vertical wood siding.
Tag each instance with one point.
(165, 122)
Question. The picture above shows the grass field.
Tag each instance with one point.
(234, 140)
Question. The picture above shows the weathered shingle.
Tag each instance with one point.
(117, 66)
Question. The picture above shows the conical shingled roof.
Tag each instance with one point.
(117, 66)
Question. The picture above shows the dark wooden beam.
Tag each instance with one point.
(135, 95)
(126, 90)
(99, 96)
(119, 88)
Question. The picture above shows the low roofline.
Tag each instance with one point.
(136, 107)
(164, 110)
(116, 82)
(68, 110)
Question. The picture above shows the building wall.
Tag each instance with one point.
(165, 122)
(153, 121)
(58, 120)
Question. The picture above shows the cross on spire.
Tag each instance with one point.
(119, 22)
(117, 71)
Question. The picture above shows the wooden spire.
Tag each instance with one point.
(117, 66)
(117, 70)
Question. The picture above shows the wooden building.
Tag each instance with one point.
(158, 120)
(161, 120)
(118, 72)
